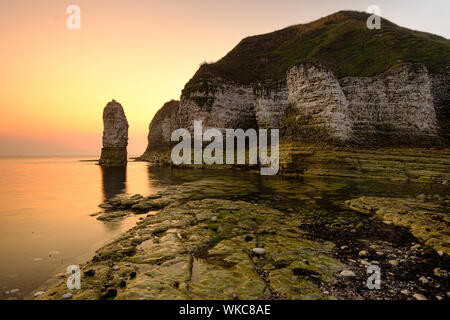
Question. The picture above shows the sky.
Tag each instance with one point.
(55, 82)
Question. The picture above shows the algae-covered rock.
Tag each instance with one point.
(181, 253)
(112, 215)
(428, 221)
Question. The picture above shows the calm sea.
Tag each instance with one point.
(45, 222)
(46, 203)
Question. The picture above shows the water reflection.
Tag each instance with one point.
(113, 181)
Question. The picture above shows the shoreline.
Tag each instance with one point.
(396, 164)
(181, 239)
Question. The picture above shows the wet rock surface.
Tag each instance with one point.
(177, 254)
(284, 243)
(427, 216)
(402, 258)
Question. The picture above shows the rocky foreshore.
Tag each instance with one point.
(427, 216)
(214, 248)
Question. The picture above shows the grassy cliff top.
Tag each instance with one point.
(341, 42)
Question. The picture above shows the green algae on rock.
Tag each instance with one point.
(427, 220)
(182, 253)
(309, 160)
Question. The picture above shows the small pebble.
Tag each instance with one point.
(363, 253)
(405, 292)
(90, 273)
(115, 268)
(67, 295)
(259, 250)
(109, 293)
(214, 219)
(423, 280)
(37, 294)
(347, 273)
(418, 296)
(393, 263)
(132, 275)
(364, 262)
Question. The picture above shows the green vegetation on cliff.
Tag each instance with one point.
(341, 42)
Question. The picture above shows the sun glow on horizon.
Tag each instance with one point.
(55, 82)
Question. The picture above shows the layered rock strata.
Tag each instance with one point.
(270, 103)
(317, 107)
(440, 90)
(219, 104)
(115, 136)
(162, 125)
(404, 106)
(394, 108)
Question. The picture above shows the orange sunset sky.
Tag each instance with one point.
(55, 82)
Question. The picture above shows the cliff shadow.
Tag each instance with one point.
(113, 181)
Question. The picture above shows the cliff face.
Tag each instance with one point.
(331, 81)
(161, 127)
(440, 90)
(270, 102)
(317, 107)
(402, 106)
(115, 136)
(395, 108)
(219, 104)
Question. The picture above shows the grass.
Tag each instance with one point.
(342, 42)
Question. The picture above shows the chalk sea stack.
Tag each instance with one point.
(115, 136)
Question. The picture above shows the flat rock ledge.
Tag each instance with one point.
(427, 216)
(181, 252)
